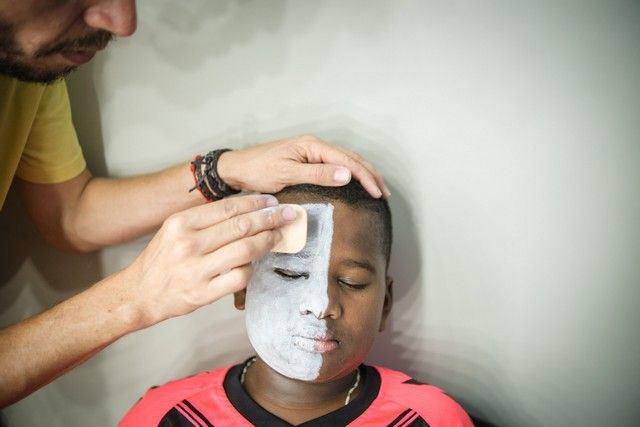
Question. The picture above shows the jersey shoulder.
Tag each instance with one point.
(158, 400)
(424, 401)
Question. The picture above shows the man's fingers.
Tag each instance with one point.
(209, 214)
(245, 225)
(232, 281)
(335, 156)
(376, 175)
(239, 253)
(319, 174)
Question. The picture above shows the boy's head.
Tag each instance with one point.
(314, 315)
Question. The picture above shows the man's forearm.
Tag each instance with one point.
(111, 211)
(37, 350)
(87, 213)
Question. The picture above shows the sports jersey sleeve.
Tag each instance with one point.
(52, 153)
(150, 409)
(405, 402)
(160, 404)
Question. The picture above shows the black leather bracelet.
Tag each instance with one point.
(216, 184)
(200, 180)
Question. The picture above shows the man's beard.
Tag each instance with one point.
(13, 66)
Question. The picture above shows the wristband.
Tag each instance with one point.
(208, 181)
(199, 178)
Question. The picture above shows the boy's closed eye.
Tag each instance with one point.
(295, 275)
(351, 284)
(290, 274)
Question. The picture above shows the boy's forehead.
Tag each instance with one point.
(319, 227)
(356, 231)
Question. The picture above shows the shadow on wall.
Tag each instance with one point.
(187, 36)
(85, 109)
(61, 274)
(489, 404)
(238, 21)
(405, 268)
(187, 39)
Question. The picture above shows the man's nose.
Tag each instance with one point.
(115, 16)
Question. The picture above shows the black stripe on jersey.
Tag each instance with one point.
(398, 418)
(417, 422)
(412, 381)
(174, 418)
(198, 413)
(408, 418)
(190, 416)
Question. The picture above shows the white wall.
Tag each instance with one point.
(509, 133)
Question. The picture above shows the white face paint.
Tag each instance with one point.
(286, 301)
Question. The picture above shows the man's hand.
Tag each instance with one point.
(197, 256)
(269, 167)
(202, 254)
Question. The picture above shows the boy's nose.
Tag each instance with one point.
(322, 304)
(115, 16)
(313, 303)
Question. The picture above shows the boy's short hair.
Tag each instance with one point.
(356, 197)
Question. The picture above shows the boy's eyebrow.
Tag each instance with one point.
(303, 254)
(352, 262)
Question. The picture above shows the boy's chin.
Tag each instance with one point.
(332, 372)
(329, 371)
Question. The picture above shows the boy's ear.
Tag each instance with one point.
(238, 299)
(388, 302)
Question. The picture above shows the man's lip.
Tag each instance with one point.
(79, 56)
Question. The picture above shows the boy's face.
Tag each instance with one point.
(314, 315)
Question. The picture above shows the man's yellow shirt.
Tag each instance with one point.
(38, 142)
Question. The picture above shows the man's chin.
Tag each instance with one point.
(29, 74)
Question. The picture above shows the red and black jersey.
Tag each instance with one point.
(216, 398)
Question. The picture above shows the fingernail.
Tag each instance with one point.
(342, 175)
(289, 214)
(268, 211)
(270, 200)
(387, 193)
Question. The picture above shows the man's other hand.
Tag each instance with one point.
(269, 167)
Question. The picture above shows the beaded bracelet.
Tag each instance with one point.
(208, 182)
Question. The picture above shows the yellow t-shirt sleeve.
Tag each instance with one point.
(52, 153)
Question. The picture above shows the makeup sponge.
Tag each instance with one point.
(294, 234)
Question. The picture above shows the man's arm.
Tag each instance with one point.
(87, 213)
(36, 351)
(197, 256)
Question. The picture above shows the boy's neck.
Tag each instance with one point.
(296, 401)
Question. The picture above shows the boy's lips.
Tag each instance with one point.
(322, 344)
